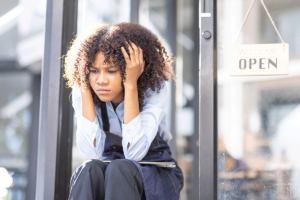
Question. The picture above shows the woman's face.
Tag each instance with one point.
(106, 80)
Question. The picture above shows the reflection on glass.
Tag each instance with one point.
(5, 182)
(258, 117)
(15, 122)
(21, 50)
(153, 15)
(91, 12)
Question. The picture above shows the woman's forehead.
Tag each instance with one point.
(100, 58)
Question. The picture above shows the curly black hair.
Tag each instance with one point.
(109, 39)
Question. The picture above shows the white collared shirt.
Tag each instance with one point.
(139, 132)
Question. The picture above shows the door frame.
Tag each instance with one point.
(208, 101)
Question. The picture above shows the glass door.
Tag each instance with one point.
(258, 116)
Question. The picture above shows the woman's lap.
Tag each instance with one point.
(119, 179)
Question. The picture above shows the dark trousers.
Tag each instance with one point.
(95, 180)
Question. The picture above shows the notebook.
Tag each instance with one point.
(158, 164)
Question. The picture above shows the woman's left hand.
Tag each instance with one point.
(134, 64)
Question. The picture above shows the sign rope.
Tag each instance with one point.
(248, 12)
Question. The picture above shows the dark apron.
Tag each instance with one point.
(159, 183)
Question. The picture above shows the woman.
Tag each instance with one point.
(118, 74)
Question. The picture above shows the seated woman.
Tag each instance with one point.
(118, 74)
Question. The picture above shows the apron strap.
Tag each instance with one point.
(104, 117)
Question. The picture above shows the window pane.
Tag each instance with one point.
(258, 117)
(21, 50)
(153, 15)
(15, 122)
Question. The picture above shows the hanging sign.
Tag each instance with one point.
(259, 59)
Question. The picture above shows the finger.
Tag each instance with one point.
(141, 57)
(127, 59)
(131, 52)
(143, 67)
(136, 53)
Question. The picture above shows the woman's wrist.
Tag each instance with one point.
(88, 109)
(131, 102)
(130, 85)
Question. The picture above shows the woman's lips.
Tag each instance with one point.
(100, 91)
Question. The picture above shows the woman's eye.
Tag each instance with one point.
(111, 72)
(93, 71)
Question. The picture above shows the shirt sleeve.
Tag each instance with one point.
(87, 131)
(139, 133)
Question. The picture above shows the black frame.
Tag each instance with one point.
(134, 11)
(208, 103)
(195, 194)
(65, 127)
(171, 35)
(33, 138)
(56, 114)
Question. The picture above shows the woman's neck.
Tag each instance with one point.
(115, 105)
(116, 101)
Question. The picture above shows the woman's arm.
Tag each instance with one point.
(131, 105)
(90, 138)
(141, 131)
(134, 68)
(88, 107)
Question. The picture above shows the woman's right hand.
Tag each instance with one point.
(87, 103)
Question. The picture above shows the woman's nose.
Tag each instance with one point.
(102, 79)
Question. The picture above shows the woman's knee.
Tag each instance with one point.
(89, 169)
(123, 175)
(119, 167)
(93, 165)
(88, 180)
